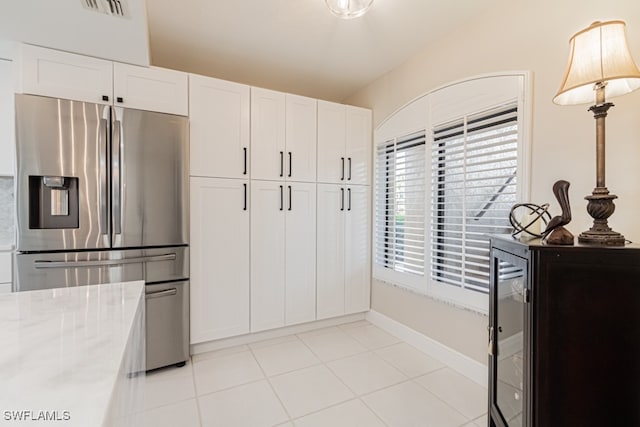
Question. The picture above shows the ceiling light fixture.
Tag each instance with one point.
(348, 9)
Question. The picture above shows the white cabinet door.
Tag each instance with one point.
(331, 259)
(331, 142)
(219, 128)
(357, 249)
(267, 255)
(219, 258)
(150, 88)
(358, 150)
(59, 74)
(300, 242)
(7, 126)
(267, 134)
(301, 136)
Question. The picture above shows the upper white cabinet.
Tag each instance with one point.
(301, 137)
(66, 75)
(283, 254)
(343, 278)
(283, 136)
(219, 258)
(344, 144)
(151, 89)
(358, 145)
(268, 134)
(219, 128)
(7, 126)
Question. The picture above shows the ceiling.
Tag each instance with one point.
(297, 46)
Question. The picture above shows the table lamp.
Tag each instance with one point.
(600, 67)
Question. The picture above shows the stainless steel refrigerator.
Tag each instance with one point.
(102, 197)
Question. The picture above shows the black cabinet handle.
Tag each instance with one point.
(244, 170)
(119, 99)
(342, 168)
(349, 169)
(245, 197)
(290, 205)
(282, 163)
(342, 199)
(349, 194)
(281, 198)
(105, 98)
(290, 162)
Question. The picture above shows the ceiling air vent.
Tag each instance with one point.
(108, 7)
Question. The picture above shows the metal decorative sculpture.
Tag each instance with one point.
(556, 233)
(529, 226)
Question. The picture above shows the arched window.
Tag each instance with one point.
(448, 167)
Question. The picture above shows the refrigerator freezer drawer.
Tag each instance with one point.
(167, 312)
(64, 269)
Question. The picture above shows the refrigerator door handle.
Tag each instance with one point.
(116, 174)
(104, 189)
(159, 294)
(103, 262)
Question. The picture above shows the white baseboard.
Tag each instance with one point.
(467, 366)
(274, 333)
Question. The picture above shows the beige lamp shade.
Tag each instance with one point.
(599, 54)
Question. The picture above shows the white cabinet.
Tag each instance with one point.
(219, 128)
(7, 126)
(151, 89)
(267, 255)
(283, 254)
(343, 278)
(358, 145)
(301, 137)
(283, 136)
(357, 275)
(53, 73)
(66, 75)
(331, 259)
(267, 134)
(344, 144)
(219, 258)
(5, 272)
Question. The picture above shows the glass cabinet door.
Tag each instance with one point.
(508, 337)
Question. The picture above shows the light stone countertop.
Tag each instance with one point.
(62, 350)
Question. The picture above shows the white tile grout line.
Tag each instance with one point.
(356, 396)
(193, 378)
(270, 385)
(341, 381)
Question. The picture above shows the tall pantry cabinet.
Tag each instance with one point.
(280, 207)
(220, 220)
(283, 219)
(344, 201)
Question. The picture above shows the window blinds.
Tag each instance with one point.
(400, 204)
(473, 182)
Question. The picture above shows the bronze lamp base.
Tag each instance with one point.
(601, 207)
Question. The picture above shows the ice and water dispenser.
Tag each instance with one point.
(53, 202)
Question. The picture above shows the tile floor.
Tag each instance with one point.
(346, 376)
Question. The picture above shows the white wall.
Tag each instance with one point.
(522, 35)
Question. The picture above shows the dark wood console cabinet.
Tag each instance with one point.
(564, 328)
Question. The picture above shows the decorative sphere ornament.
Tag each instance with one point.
(531, 215)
